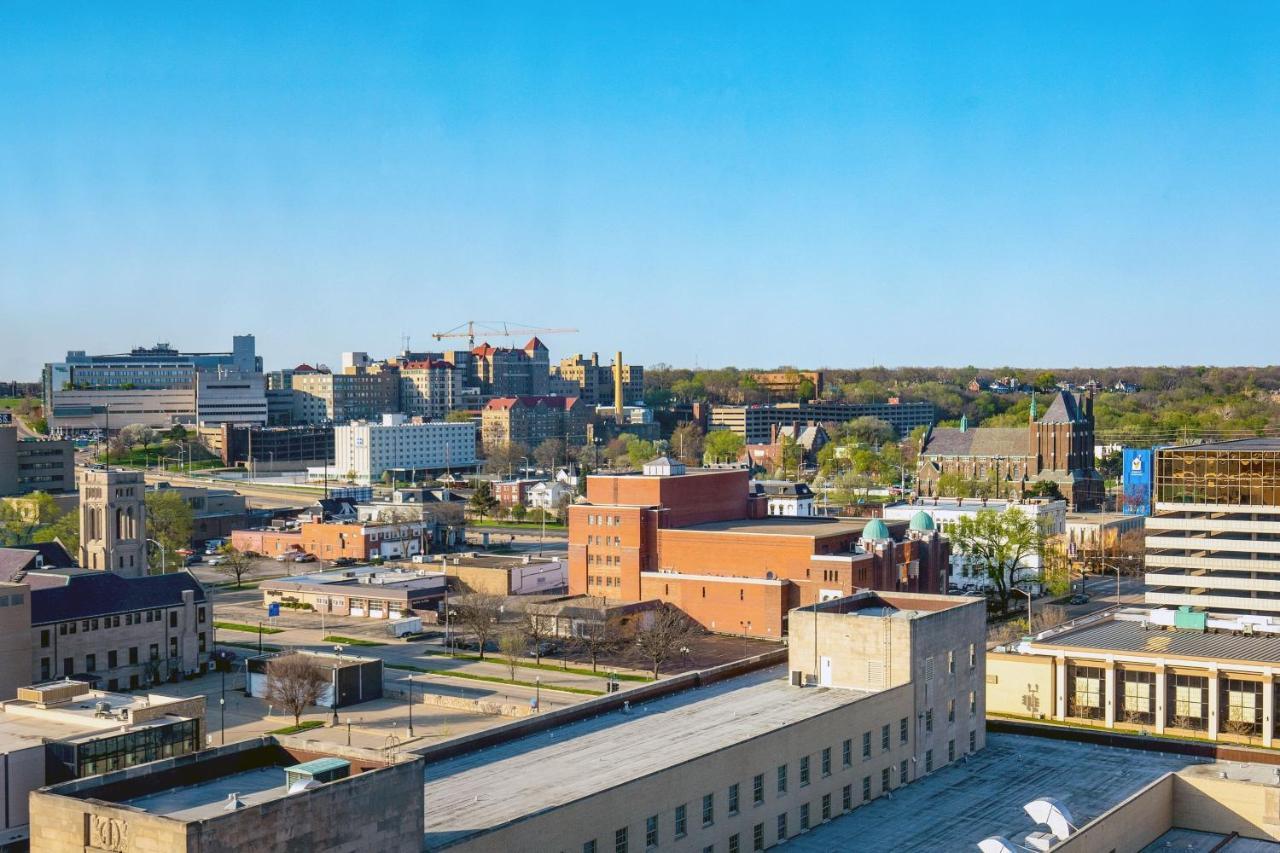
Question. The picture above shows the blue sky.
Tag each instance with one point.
(748, 183)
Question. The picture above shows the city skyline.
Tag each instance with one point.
(982, 177)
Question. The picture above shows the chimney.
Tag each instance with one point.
(618, 401)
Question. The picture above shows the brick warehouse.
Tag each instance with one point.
(702, 540)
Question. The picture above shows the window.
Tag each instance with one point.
(782, 826)
(1243, 701)
(973, 740)
(826, 761)
(757, 789)
(757, 837)
(782, 778)
(866, 744)
(651, 831)
(173, 619)
(866, 788)
(589, 846)
(951, 710)
(733, 798)
(804, 771)
(133, 654)
(682, 820)
(902, 772)
(973, 703)
(846, 798)
(44, 639)
(846, 753)
(884, 738)
(928, 720)
(826, 807)
(951, 750)
(884, 779)
(708, 809)
(973, 656)
(734, 846)
(1084, 692)
(951, 662)
(1137, 698)
(620, 841)
(904, 730)
(928, 761)
(804, 817)
(112, 660)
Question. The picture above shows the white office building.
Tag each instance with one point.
(410, 448)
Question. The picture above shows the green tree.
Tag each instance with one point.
(722, 445)
(805, 390)
(1044, 489)
(177, 433)
(869, 430)
(686, 442)
(1045, 380)
(170, 521)
(65, 529)
(22, 518)
(790, 456)
(459, 416)
(518, 512)
(640, 451)
(999, 544)
(482, 501)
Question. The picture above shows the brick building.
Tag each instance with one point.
(702, 540)
(1005, 461)
(531, 420)
(358, 540)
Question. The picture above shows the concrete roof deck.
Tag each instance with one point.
(481, 791)
(1194, 841)
(1126, 636)
(19, 732)
(208, 798)
(782, 526)
(958, 806)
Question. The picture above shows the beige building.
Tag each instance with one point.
(357, 392)
(747, 761)
(1161, 671)
(45, 465)
(113, 521)
(494, 574)
(64, 730)
(596, 383)
(267, 794)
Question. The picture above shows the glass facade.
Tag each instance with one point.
(1197, 475)
(90, 758)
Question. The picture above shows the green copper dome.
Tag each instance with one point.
(875, 529)
(922, 522)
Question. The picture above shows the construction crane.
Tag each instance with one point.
(497, 328)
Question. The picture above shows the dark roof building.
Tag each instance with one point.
(77, 594)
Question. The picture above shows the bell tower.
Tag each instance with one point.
(113, 532)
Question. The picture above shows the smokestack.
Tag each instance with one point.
(618, 402)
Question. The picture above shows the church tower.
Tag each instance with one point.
(113, 533)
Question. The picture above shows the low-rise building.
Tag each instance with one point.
(787, 499)
(746, 762)
(410, 449)
(34, 465)
(494, 574)
(549, 495)
(352, 679)
(509, 493)
(63, 730)
(361, 591)
(214, 512)
(330, 540)
(267, 794)
(261, 449)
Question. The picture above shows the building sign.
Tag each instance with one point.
(1136, 480)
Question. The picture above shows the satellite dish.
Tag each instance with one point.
(1052, 813)
(996, 844)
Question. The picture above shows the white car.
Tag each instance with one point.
(215, 561)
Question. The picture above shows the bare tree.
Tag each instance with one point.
(480, 614)
(662, 638)
(235, 564)
(295, 682)
(537, 624)
(511, 644)
(598, 637)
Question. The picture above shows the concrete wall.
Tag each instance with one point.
(1020, 685)
(23, 772)
(1202, 800)
(1129, 826)
(15, 639)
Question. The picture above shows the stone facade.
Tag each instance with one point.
(113, 524)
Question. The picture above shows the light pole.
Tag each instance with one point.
(1027, 593)
(337, 650)
(537, 693)
(163, 560)
(410, 704)
(222, 703)
(524, 469)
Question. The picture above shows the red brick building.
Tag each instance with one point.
(702, 541)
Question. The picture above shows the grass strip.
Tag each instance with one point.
(351, 641)
(249, 629)
(301, 727)
(549, 667)
(493, 679)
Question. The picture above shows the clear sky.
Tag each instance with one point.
(736, 183)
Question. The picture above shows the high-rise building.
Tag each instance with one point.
(156, 386)
(113, 525)
(506, 371)
(532, 420)
(429, 389)
(28, 465)
(1213, 541)
(359, 392)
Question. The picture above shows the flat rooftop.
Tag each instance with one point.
(362, 576)
(1236, 445)
(959, 805)
(209, 798)
(19, 732)
(1127, 636)
(780, 526)
(1195, 841)
(481, 791)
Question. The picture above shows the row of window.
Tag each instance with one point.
(604, 520)
(782, 828)
(603, 560)
(114, 621)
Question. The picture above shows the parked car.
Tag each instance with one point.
(344, 561)
(191, 560)
(280, 558)
(216, 561)
(472, 645)
(543, 649)
(305, 558)
(1079, 598)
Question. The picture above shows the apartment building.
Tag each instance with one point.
(409, 448)
(506, 371)
(430, 388)
(532, 420)
(757, 424)
(356, 393)
(703, 541)
(30, 465)
(1213, 541)
(750, 760)
(594, 382)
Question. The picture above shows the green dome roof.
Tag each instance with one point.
(875, 529)
(922, 522)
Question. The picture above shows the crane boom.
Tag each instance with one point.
(499, 328)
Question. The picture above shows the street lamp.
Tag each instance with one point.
(163, 560)
(410, 704)
(537, 694)
(1027, 593)
(337, 650)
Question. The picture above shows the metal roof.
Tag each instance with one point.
(319, 765)
(1123, 636)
